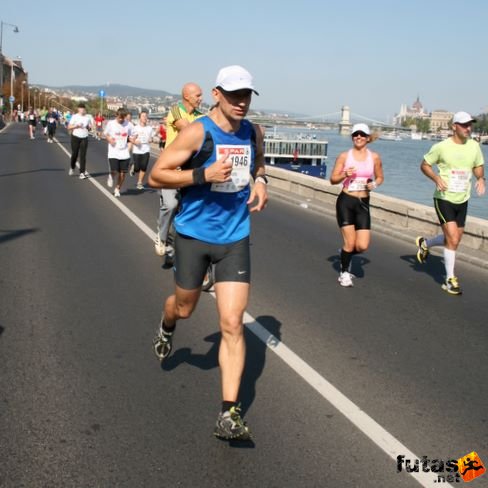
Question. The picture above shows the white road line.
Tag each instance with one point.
(367, 425)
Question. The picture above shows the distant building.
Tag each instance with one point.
(11, 67)
(440, 120)
(415, 111)
(114, 105)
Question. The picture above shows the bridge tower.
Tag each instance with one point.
(345, 123)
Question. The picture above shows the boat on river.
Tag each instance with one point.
(390, 136)
(306, 155)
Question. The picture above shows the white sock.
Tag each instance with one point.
(435, 241)
(449, 261)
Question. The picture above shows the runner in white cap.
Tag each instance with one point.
(457, 159)
(218, 155)
(360, 171)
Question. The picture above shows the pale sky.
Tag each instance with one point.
(310, 57)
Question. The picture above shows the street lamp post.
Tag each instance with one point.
(16, 29)
(11, 88)
(22, 95)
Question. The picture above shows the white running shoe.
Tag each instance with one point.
(116, 193)
(71, 172)
(345, 279)
(140, 186)
(159, 246)
(110, 181)
(83, 176)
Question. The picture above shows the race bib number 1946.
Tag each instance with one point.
(240, 156)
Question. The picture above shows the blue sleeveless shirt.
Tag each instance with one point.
(218, 213)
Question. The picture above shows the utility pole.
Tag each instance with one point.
(16, 30)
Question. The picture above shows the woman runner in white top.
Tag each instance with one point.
(360, 171)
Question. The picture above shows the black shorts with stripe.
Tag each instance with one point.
(451, 212)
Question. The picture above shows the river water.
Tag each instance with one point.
(401, 166)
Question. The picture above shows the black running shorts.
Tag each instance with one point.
(353, 211)
(140, 161)
(451, 212)
(119, 165)
(192, 258)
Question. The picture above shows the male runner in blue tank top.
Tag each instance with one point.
(217, 154)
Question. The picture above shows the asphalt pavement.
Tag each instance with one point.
(84, 402)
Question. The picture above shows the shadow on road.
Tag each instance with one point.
(434, 266)
(131, 192)
(40, 170)
(8, 235)
(357, 264)
(255, 361)
(255, 358)
(1, 330)
(96, 175)
(205, 361)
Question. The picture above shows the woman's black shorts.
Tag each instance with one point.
(353, 211)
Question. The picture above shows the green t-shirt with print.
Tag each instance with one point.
(455, 163)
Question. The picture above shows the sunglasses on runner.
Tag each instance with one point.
(359, 134)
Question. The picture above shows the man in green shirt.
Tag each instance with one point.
(457, 159)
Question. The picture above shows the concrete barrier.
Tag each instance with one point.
(398, 215)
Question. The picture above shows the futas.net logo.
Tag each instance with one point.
(466, 468)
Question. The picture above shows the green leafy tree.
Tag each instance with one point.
(423, 125)
(481, 124)
(408, 122)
